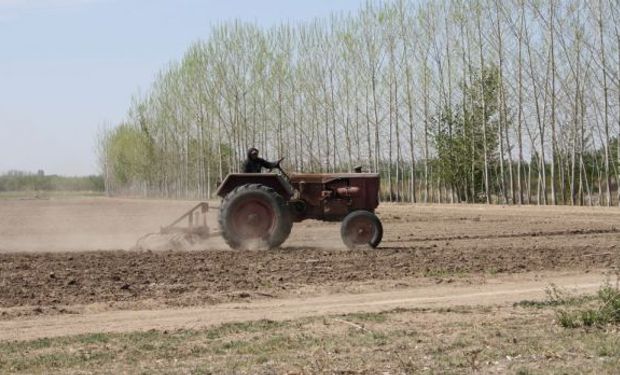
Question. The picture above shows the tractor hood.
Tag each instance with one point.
(325, 178)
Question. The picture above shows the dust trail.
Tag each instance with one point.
(84, 224)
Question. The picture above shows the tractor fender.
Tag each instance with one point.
(272, 180)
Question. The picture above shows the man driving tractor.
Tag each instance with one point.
(258, 210)
(255, 164)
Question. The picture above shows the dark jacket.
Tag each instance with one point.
(256, 165)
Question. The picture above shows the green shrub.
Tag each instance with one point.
(603, 311)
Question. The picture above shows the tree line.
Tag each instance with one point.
(19, 181)
(493, 101)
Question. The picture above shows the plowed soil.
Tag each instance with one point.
(74, 255)
(190, 278)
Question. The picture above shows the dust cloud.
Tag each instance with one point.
(85, 224)
(92, 224)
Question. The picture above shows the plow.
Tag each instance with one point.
(257, 210)
(188, 229)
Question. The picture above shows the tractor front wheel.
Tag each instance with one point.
(254, 216)
(361, 229)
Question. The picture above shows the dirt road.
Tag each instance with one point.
(494, 291)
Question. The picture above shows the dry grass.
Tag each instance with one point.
(514, 339)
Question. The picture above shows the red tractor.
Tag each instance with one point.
(260, 208)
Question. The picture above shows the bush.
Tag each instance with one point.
(604, 310)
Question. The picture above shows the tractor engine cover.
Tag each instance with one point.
(332, 196)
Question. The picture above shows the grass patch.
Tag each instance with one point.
(236, 328)
(472, 339)
(602, 311)
(555, 297)
(571, 311)
(379, 317)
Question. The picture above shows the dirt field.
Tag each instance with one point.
(67, 267)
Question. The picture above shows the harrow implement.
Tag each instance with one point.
(178, 236)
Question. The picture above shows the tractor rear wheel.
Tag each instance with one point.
(254, 216)
(360, 229)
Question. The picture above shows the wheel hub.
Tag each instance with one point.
(253, 219)
(360, 231)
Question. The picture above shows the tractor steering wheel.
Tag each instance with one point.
(279, 168)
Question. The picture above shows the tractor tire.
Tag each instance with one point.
(254, 216)
(361, 229)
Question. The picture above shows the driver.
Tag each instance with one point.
(254, 164)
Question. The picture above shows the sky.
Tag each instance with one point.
(70, 67)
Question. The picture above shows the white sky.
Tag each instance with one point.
(69, 66)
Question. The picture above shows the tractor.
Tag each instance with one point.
(262, 207)
(258, 209)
